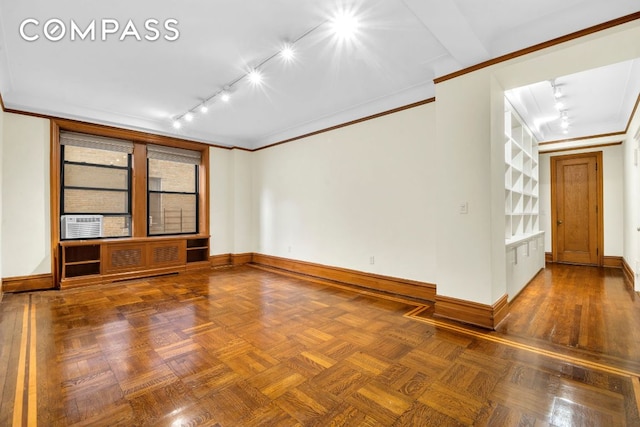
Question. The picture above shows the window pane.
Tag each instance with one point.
(172, 213)
(116, 226)
(95, 177)
(97, 157)
(95, 201)
(172, 176)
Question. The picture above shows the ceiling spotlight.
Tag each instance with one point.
(188, 117)
(287, 53)
(225, 97)
(177, 124)
(345, 25)
(559, 105)
(204, 109)
(557, 92)
(565, 124)
(255, 77)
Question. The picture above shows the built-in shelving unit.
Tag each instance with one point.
(524, 242)
(81, 260)
(197, 251)
(85, 262)
(522, 204)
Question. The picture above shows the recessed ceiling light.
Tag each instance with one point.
(177, 124)
(559, 105)
(204, 108)
(188, 117)
(225, 97)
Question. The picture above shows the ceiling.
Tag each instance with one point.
(398, 48)
(595, 102)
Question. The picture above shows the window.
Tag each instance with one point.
(116, 183)
(96, 180)
(172, 190)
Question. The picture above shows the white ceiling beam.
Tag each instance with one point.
(451, 28)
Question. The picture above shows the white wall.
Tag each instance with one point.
(613, 196)
(231, 207)
(632, 198)
(243, 203)
(2, 114)
(26, 216)
(344, 196)
(464, 159)
(220, 200)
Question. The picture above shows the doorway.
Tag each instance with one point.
(577, 232)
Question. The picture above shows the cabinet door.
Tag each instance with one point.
(167, 254)
(121, 257)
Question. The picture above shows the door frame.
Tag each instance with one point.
(599, 201)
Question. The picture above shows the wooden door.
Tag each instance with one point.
(576, 200)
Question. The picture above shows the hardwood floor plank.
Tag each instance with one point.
(247, 347)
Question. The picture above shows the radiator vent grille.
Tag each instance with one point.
(165, 254)
(126, 258)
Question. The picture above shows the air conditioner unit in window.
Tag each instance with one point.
(81, 226)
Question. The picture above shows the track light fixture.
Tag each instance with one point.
(287, 53)
(255, 77)
(344, 25)
(560, 106)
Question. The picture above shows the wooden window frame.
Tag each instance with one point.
(138, 180)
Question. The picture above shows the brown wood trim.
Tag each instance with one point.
(139, 216)
(203, 193)
(220, 260)
(600, 185)
(553, 178)
(628, 274)
(583, 147)
(548, 257)
(352, 122)
(501, 309)
(612, 261)
(240, 259)
(600, 188)
(28, 283)
(118, 240)
(633, 112)
(2, 103)
(391, 285)
(483, 315)
(250, 150)
(54, 198)
(540, 46)
(582, 138)
(133, 135)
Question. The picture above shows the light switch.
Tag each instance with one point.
(464, 208)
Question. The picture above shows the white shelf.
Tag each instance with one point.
(521, 179)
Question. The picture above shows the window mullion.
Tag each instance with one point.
(139, 190)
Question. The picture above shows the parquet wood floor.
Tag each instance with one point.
(247, 347)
